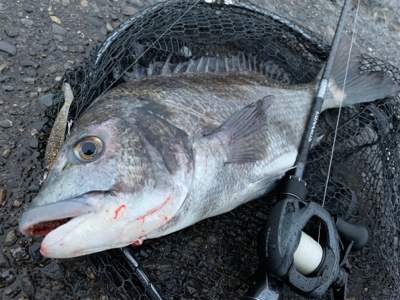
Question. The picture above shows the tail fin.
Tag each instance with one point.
(365, 87)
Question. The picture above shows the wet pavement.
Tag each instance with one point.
(39, 40)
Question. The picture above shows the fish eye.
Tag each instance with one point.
(88, 149)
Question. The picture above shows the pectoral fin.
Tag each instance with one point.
(243, 134)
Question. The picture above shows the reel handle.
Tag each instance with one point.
(349, 232)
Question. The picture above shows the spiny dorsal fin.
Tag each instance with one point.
(243, 134)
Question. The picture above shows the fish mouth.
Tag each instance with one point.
(43, 219)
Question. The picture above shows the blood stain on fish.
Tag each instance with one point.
(118, 209)
(138, 242)
(43, 249)
(152, 211)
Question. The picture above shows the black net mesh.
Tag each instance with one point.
(214, 258)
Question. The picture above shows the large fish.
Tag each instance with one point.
(160, 153)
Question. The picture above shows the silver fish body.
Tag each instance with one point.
(160, 153)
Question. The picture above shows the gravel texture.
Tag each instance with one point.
(39, 40)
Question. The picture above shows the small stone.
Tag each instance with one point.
(8, 88)
(59, 37)
(212, 240)
(32, 52)
(6, 153)
(80, 49)
(4, 264)
(5, 79)
(34, 132)
(27, 23)
(45, 89)
(29, 80)
(104, 31)
(329, 32)
(55, 20)
(27, 285)
(33, 188)
(3, 194)
(58, 78)
(261, 215)
(33, 143)
(129, 10)
(84, 3)
(7, 277)
(31, 72)
(25, 152)
(109, 27)
(52, 69)
(44, 42)
(138, 3)
(114, 17)
(28, 63)
(11, 238)
(8, 292)
(6, 124)
(11, 32)
(3, 67)
(57, 29)
(28, 9)
(63, 48)
(17, 203)
(6, 47)
(94, 21)
(46, 99)
(380, 17)
(95, 8)
(19, 254)
(65, 2)
(38, 125)
(34, 251)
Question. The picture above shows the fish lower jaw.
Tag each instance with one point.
(56, 243)
(43, 228)
(55, 251)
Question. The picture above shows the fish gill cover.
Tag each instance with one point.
(213, 259)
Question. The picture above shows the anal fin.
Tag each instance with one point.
(243, 134)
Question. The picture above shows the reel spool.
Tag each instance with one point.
(288, 247)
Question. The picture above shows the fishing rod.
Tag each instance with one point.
(287, 246)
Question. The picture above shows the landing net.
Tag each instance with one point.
(214, 258)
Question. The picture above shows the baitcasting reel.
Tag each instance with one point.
(289, 251)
